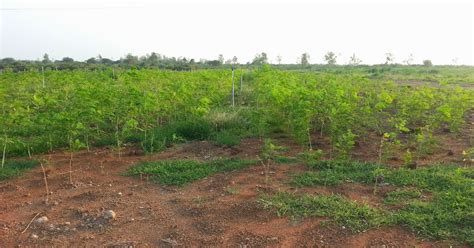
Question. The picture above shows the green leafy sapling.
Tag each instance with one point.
(269, 153)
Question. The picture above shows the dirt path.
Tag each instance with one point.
(219, 211)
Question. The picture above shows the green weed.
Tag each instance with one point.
(198, 129)
(286, 160)
(226, 138)
(181, 172)
(402, 196)
(448, 215)
(356, 217)
(14, 168)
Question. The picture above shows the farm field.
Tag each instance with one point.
(295, 158)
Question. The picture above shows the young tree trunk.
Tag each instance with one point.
(29, 150)
(4, 151)
(87, 143)
(117, 138)
(50, 143)
(70, 168)
(45, 182)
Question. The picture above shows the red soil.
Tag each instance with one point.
(219, 211)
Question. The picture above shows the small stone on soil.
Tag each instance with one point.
(34, 236)
(41, 220)
(109, 214)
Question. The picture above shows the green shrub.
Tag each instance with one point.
(311, 157)
(160, 138)
(226, 138)
(198, 129)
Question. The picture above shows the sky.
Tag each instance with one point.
(441, 31)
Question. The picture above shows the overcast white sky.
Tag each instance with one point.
(436, 30)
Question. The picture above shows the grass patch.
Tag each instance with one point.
(336, 172)
(197, 129)
(286, 160)
(226, 138)
(181, 172)
(402, 196)
(447, 216)
(357, 217)
(14, 168)
(432, 178)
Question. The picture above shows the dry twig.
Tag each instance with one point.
(31, 222)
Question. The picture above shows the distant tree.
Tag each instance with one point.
(91, 61)
(235, 60)
(67, 60)
(106, 61)
(213, 62)
(304, 59)
(260, 59)
(46, 59)
(67, 63)
(6, 63)
(389, 58)
(8, 60)
(228, 62)
(427, 62)
(330, 58)
(220, 58)
(278, 59)
(353, 60)
(409, 60)
(130, 60)
(153, 58)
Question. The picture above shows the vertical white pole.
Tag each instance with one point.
(42, 70)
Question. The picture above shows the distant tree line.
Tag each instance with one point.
(153, 60)
(156, 60)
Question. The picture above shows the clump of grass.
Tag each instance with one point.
(286, 160)
(402, 196)
(181, 172)
(357, 217)
(14, 168)
(448, 216)
(434, 178)
(226, 138)
(311, 157)
(336, 172)
(198, 129)
(316, 178)
(232, 190)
